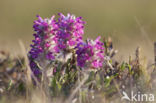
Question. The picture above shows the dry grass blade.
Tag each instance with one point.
(24, 53)
(29, 72)
(77, 89)
(143, 32)
(155, 54)
(137, 53)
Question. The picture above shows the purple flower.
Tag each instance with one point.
(35, 70)
(69, 31)
(43, 37)
(90, 54)
(43, 42)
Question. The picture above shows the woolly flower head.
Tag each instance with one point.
(40, 49)
(43, 37)
(90, 54)
(69, 31)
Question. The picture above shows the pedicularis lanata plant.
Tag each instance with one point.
(62, 39)
(59, 49)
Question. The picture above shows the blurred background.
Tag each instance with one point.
(130, 23)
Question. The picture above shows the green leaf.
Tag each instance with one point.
(123, 66)
(58, 85)
(108, 81)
